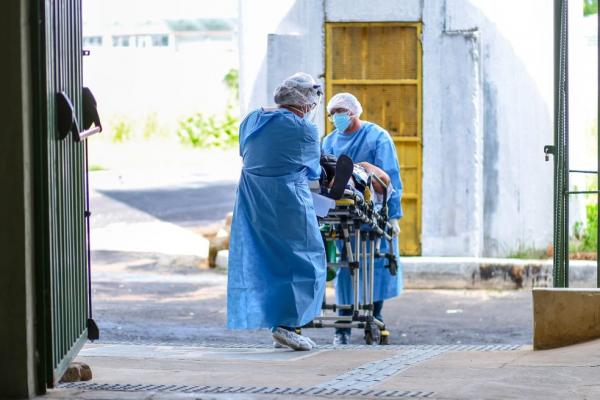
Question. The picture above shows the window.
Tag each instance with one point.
(91, 41)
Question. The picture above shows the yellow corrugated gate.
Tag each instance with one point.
(380, 63)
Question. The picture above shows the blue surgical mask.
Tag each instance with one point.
(341, 121)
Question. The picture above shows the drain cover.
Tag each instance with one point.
(202, 389)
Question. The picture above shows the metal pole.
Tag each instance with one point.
(561, 146)
(364, 269)
(356, 276)
(565, 126)
(92, 327)
(372, 271)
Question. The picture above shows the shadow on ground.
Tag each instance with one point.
(186, 207)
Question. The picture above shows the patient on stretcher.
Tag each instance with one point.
(339, 174)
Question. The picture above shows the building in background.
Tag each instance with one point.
(156, 61)
(463, 86)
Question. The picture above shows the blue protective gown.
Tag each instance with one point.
(277, 261)
(372, 144)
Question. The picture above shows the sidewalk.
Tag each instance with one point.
(480, 272)
(358, 372)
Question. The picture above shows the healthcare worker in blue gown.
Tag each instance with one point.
(364, 141)
(277, 264)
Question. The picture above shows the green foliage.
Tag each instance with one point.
(200, 130)
(232, 80)
(528, 253)
(590, 7)
(152, 126)
(584, 238)
(590, 235)
(97, 167)
(121, 129)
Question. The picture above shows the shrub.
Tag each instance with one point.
(121, 129)
(590, 234)
(200, 130)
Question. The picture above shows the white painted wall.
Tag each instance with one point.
(373, 10)
(518, 62)
(292, 32)
(487, 107)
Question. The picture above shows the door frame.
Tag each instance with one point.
(330, 82)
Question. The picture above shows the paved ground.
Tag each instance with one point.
(147, 215)
(363, 372)
(162, 321)
(139, 299)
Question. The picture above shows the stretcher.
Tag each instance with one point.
(359, 224)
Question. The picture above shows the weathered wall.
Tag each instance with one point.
(373, 10)
(517, 72)
(563, 317)
(17, 373)
(275, 42)
(487, 98)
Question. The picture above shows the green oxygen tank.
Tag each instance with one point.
(331, 251)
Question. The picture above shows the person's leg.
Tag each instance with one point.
(342, 335)
(344, 313)
(377, 307)
(343, 172)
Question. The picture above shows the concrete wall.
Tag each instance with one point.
(518, 101)
(487, 106)
(562, 317)
(515, 64)
(276, 41)
(17, 372)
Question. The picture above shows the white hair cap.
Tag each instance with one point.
(346, 101)
(299, 89)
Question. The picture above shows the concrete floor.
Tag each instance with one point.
(139, 299)
(433, 372)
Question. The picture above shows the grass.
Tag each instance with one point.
(529, 253)
(97, 167)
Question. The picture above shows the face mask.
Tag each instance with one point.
(341, 121)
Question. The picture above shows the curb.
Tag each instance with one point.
(480, 272)
(489, 273)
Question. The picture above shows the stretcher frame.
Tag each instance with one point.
(355, 219)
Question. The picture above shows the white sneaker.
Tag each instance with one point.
(310, 341)
(277, 345)
(291, 340)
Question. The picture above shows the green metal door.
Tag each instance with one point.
(61, 258)
(560, 151)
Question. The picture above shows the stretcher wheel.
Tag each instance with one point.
(372, 334)
(385, 337)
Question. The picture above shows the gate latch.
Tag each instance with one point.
(547, 151)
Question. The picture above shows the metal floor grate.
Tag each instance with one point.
(203, 389)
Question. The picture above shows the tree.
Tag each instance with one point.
(590, 7)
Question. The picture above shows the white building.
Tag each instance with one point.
(464, 86)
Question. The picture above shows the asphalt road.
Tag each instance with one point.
(190, 205)
(139, 300)
(144, 298)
